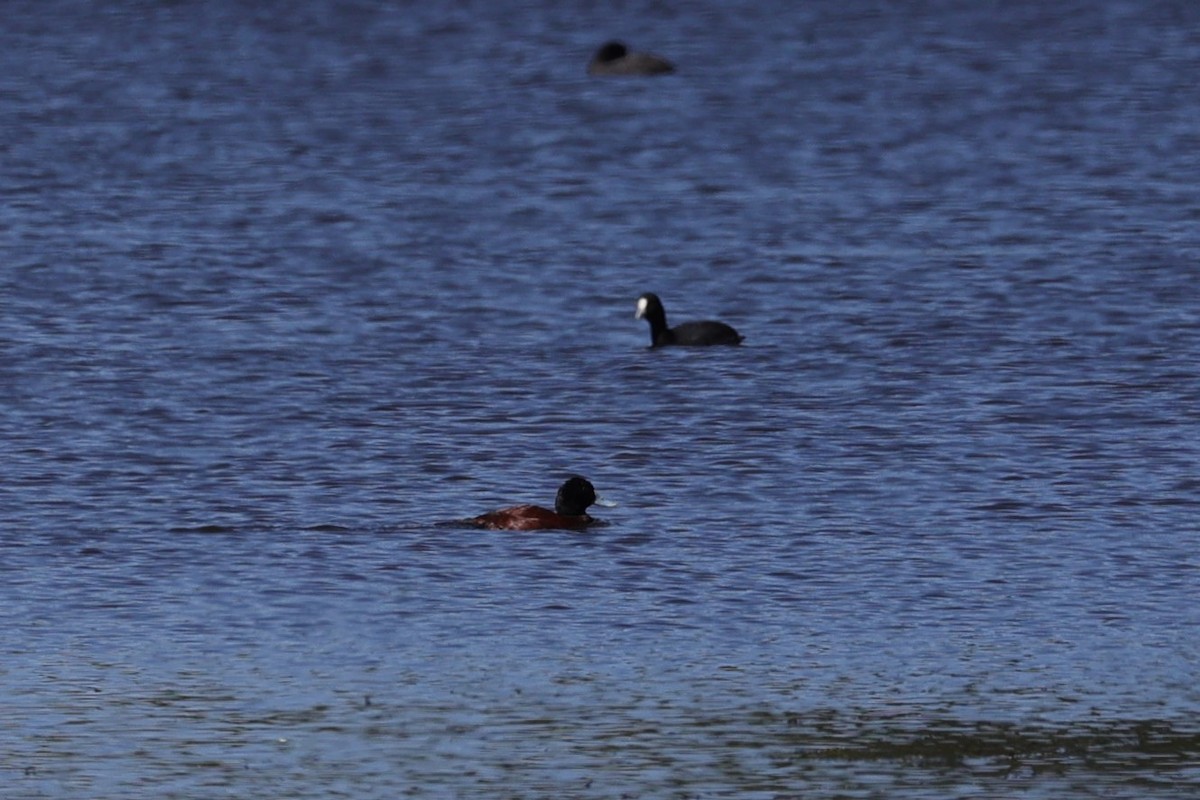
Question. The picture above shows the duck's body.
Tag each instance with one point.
(687, 334)
(570, 511)
(614, 58)
(531, 518)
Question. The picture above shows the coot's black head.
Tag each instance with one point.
(574, 497)
(611, 51)
(650, 308)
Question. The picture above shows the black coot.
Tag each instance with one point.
(690, 334)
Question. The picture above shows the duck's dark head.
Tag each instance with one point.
(574, 497)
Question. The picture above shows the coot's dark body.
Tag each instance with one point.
(614, 58)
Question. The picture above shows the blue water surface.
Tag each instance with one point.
(287, 289)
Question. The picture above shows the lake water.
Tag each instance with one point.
(288, 288)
